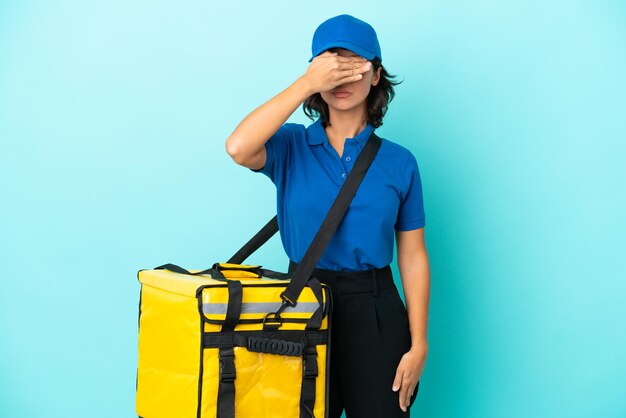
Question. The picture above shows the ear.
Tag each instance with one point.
(376, 77)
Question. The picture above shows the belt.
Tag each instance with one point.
(346, 282)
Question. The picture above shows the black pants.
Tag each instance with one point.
(369, 335)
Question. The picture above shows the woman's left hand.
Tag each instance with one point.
(409, 372)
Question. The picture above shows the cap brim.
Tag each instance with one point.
(369, 55)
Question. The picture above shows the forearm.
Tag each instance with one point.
(415, 276)
(257, 127)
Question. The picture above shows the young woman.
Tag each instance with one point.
(378, 346)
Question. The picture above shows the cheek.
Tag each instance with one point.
(363, 85)
(326, 96)
(367, 78)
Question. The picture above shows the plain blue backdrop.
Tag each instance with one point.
(113, 118)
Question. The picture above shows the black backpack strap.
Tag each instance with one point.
(331, 222)
(256, 241)
(326, 231)
(227, 371)
(309, 378)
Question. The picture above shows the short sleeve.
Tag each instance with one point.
(411, 212)
(277, 149)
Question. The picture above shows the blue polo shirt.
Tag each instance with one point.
(308, 174)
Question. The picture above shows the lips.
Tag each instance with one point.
(341, 93)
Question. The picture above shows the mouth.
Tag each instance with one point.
(341, 93)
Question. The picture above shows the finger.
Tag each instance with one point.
(405, 400)
(404, 390)
(360, 66)
(408, 398)
(351, 74)
(325, 54)
(397, 381)
(350, 59)
(349, 78)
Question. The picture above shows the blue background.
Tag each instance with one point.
(113, 118)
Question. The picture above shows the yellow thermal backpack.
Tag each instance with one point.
(237, 340)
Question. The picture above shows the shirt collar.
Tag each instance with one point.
(317, 135)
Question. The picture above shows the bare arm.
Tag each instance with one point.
(246, 145)
(415, 276)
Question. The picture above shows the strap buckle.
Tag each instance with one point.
(227, 364)
(309, 363)
(286, 301)
(277, 321)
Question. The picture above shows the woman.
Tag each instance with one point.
(378, 347)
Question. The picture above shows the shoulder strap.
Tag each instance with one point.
(256, 241)
(329, 225)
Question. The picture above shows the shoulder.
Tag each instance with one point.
(285, 136)
(295, 128)
(404, 158)
(290, 130)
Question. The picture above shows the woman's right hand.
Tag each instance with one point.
(329, 70)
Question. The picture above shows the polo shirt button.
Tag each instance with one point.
(343, 175)
(348, 158)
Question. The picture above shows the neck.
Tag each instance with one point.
(344, 125)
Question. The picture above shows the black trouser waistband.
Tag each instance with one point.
(342, 282)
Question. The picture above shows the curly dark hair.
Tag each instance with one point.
(378, 99)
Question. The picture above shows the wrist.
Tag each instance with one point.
(419, 345)
(304, 86)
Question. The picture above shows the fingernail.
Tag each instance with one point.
(395, 388)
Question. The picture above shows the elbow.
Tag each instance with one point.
(233, 149)
(240, 152)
